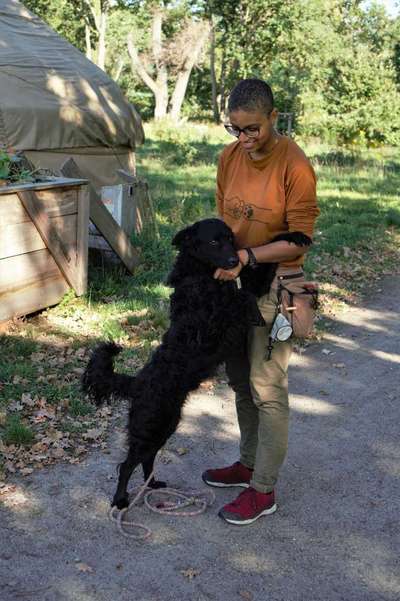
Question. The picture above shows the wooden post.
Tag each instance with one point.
(82, 246)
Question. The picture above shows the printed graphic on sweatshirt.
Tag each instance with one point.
(239, 209)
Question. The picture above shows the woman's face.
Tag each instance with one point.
(259, 129)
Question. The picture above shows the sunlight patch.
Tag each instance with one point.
(305, 404)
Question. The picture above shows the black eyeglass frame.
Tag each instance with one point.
(236, 131)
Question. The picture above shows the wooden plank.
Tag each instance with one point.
(60, 201)
(54, 243)
(12, 210)
(21, 238)
(104, 222)
(50, 182)
(82, 237)
(145, 214)
(23, 271)
(39, 294)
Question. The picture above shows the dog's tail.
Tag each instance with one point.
(99, 379)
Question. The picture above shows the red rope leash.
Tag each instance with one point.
(200, 498)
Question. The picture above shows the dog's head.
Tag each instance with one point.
(210, 241)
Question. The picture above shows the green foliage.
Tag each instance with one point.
(334, 64)
(11, 168)
(5, 163)
(64, 16)
(16, 432)
(393, 217)
(77, 407)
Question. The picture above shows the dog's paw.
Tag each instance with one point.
(157, 484)
(120, 502)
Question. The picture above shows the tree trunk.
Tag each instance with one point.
(158, 86)
(213, 75)
(101, 49)
(98, 8)
(161, 89)
(161, 97)
(193, 53)
(119, 68)
(88, 42)
(222, 93)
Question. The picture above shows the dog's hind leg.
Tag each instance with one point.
(148, 466)
(121, 497)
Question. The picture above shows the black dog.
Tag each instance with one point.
(209, 319)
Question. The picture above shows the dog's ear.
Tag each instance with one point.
(183, 236)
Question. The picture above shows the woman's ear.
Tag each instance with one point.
(183, 236)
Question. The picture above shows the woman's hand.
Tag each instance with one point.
(231, 274)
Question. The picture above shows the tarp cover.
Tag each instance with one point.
(52, 96)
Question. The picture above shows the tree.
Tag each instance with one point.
(96, 13)
(169, 61)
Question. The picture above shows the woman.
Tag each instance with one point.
(265, 186)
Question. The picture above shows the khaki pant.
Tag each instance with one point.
(261, 389)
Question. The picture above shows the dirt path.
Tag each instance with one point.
(335, 536)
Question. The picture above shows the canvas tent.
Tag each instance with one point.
(55, 103)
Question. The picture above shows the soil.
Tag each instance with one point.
(334, 537)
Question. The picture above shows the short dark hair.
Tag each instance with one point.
(251, 95)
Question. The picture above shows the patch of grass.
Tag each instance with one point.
(73, 427)
(356, 240)
(77, 407)
(16, 432)
(393, 217)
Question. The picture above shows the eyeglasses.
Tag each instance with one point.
(250, 132)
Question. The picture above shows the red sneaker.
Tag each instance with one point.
(233, 475)
(248, 507)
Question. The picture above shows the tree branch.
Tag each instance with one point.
(139, 66)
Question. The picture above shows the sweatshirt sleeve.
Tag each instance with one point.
(301, 196)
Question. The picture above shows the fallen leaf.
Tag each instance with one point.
(25, 471)
(93, 434)
(190, 573)
(57, 453)
(15, 406)
(339, 365)
(83, 567)
(26, 399)
(246, 595)
(182, 451)
(37, 357)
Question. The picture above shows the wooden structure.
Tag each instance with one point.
(145, 214)
(105, 222)
(284, 123)
(43, 244)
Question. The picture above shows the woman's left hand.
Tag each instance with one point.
(228, 274)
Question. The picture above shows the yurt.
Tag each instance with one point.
(55, 103)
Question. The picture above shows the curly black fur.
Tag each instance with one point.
(208, 320)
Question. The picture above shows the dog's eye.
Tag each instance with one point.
(213, 242)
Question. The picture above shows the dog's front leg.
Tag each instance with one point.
(148, 467)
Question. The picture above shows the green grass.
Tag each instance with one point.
(356, 239)
(16, 432)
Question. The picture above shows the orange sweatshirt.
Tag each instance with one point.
(264, 198)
